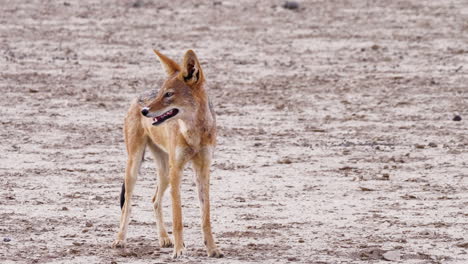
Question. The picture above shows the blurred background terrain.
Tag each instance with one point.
(342, 129)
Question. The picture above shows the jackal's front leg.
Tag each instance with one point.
(162, 162)
(202, 167)
(179, 247)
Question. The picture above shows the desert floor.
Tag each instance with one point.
(336, 135)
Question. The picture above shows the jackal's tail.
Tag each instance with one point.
(122, 196)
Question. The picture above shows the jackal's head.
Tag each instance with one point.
(180, 93)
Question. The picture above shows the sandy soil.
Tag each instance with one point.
(336, 139)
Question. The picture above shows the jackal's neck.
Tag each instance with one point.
(204, 116)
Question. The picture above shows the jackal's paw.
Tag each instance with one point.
(215, 253)
(178, 252)
(118, 244)
(165, 242)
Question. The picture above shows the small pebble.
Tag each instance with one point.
(73, 251)
(137, 4)
(239, 199)
(285, 161)
(463, 245)
(393, 255)
(375, 47)
(291, 5)
(457, 118)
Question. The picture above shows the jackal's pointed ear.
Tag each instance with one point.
(169, 65)
(191, 72)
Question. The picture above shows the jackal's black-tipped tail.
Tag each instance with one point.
(122, 196)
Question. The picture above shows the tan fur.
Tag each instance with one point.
(188, 136)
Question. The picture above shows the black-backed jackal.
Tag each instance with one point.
(178, 125)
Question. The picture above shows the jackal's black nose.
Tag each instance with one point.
(144, 111)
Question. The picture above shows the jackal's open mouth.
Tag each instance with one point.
(159, 119)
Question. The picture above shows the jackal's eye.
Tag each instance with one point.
(168, 94)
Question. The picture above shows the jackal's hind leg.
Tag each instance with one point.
(135, 148)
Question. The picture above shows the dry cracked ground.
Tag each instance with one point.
(337, 139)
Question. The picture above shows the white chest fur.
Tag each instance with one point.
(190, 136)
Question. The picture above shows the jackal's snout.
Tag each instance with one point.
(159, 117)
